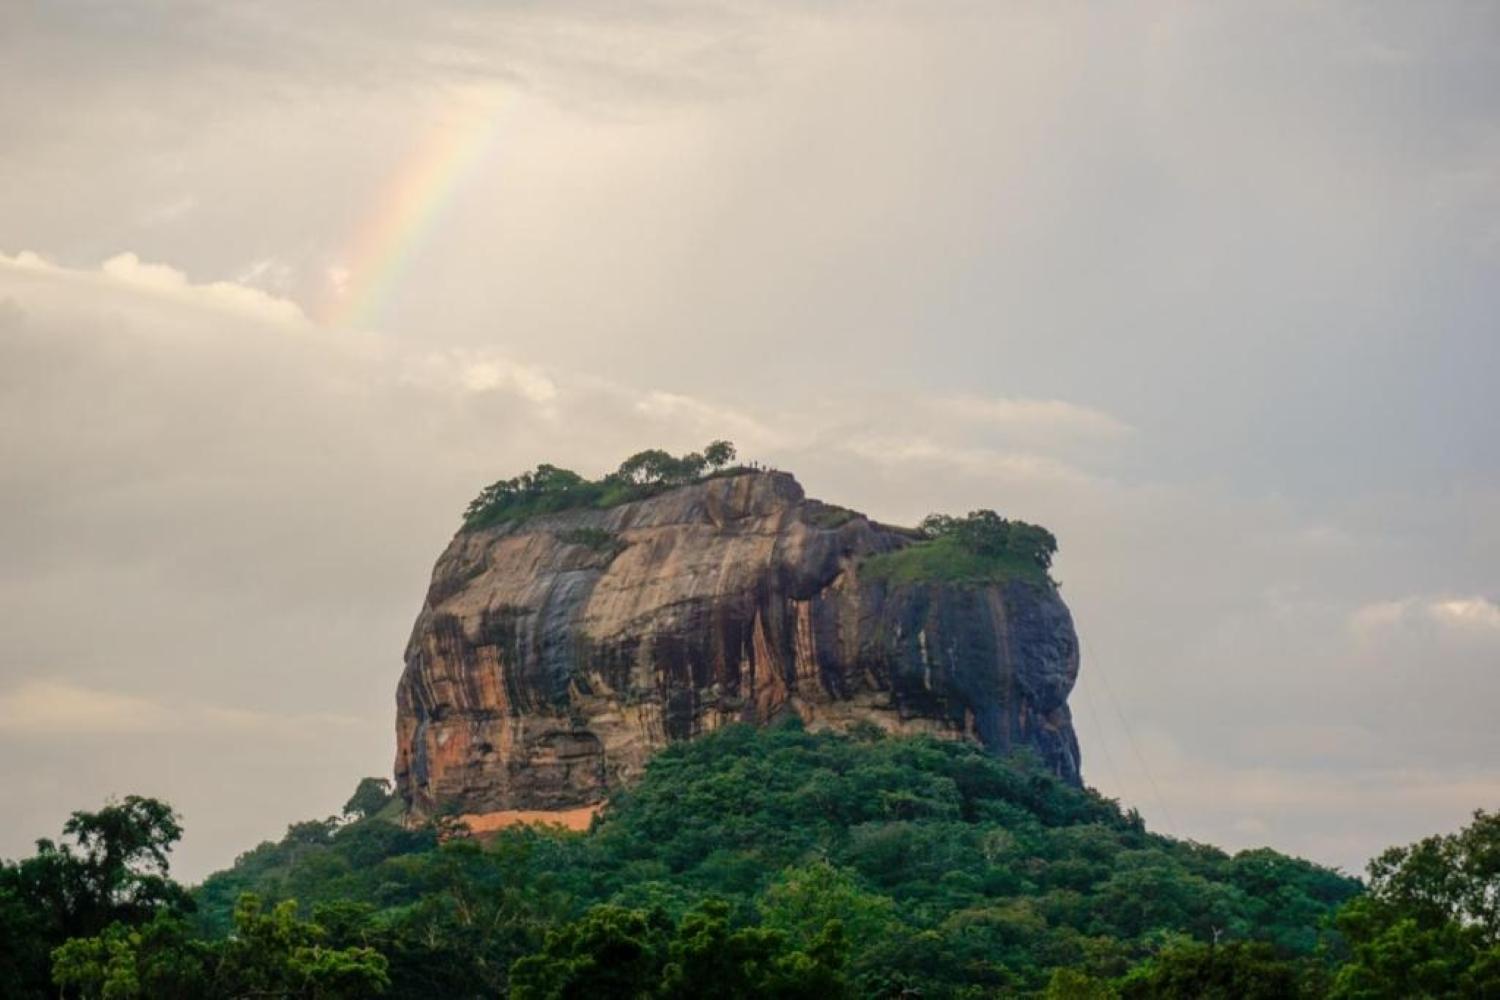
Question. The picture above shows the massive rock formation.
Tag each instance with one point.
(554, 655)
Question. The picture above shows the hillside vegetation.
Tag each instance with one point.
(784, 863)
(944, 869)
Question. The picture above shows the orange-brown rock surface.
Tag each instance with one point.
(551, 659)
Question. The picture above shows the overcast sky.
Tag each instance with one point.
(1211, 290)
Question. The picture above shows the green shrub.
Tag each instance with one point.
(549, 489)
(829, 516)
(980, 548)
(945, 560)
(597, 539)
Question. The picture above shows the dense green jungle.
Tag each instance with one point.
(753, 862)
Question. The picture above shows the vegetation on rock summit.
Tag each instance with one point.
(549, 489)
(982, 547)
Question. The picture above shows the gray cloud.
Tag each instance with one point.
(1208, 290)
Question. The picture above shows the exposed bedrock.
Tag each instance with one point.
(546, 666)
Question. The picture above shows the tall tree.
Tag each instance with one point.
(115, 870)
(1430, 924)
(370, 796)
(719, 454)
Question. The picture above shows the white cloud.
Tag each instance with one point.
(28, 261)
(671, 407)
(471, 372)
(482, 376)
(1467, 612)
(1468, 615)
(267, 273)
(1044, 416)
(231, 296)
(337, 278)
(1380, 615)
(900, 450)
(129, 270)
(61, 708)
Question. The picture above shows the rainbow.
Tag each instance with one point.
(410, 204)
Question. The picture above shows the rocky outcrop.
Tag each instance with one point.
(552, 657)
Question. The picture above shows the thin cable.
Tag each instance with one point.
(1130, 738)
(1109, 758)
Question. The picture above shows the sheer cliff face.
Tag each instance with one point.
(551, 658)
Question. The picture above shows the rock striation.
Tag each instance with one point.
(553, 656)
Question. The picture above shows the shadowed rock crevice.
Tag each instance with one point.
(542, 673)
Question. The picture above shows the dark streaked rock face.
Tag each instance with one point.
(543, 672)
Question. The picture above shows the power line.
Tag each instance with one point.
(1097, 667)
(1109, 757)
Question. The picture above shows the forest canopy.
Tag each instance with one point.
(756, 862)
